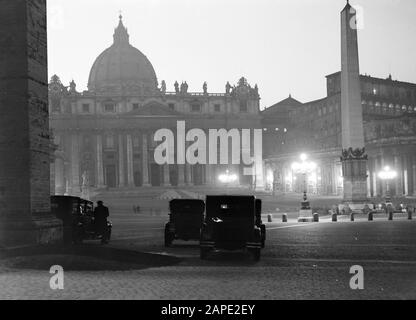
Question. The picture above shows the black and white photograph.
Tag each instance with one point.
(209, 155)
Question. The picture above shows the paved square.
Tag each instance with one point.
(300, 261)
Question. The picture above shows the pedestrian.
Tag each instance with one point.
(101, 213)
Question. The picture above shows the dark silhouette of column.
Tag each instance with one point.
(25, 212)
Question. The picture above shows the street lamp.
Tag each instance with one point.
(304, 167)
(227, 178)
(386, 175)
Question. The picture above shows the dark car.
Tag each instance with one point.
(232, 223)
(77, 216)
(185, 220)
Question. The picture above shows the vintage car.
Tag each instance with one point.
(185, 220)
(232, 223)
(77, 217)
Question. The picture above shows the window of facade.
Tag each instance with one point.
(86, 108)
(171, 106)
(56, 105)
(135, 106)
(109, 107)
(243, 106)
(109, 142)
(196, 108)
(136, 142)
(217, 108)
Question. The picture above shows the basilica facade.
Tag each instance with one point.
(104, 136)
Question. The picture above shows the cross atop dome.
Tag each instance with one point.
(121, 35)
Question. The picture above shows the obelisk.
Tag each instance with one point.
(353, 157)
(25, 215)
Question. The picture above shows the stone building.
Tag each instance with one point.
(104, 135)
(314, 128)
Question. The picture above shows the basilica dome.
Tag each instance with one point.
(122, 66)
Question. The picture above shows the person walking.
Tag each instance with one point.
(101, 213)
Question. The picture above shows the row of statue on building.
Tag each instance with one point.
(242, 88)
(229, 90)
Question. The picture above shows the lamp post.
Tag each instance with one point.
(227, 178)
(387, 175)
(304, 167)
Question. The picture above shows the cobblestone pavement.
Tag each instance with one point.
(300, 261)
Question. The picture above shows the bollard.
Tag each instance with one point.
(352, 216)
(390, 215)
(370, 216)
(284, 217)
(269, 218)
(334, 217)
(316, 217)
(409, 215)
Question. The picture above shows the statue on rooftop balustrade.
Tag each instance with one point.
(163, 87)
(228, 88)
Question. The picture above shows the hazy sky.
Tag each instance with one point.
(285, 46)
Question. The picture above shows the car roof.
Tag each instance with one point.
(190, 206)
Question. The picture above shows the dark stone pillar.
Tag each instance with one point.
(25, 216)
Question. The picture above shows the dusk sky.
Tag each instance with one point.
(285, 46)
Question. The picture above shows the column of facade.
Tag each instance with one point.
(130, 174)
(374, 177)
(166, 175)
(121, 180)
(334, 178)
(399, 180)
(371, 168)
(188, 174)
(59, 177)
(414, 174)
(410, 174)
(323, 179)
(208, 177)
(369, 193)
(326, 181)
(100, 167)
(75, 183)
(181, 175)
(383, 184)
(405, 175)
(145, 161)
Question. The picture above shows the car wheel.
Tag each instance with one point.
(78, 236)
(168, 241)
(168, 238)
(263, 236)
(256, 254)
(204, 253)
(106, 237)
(77, 241)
